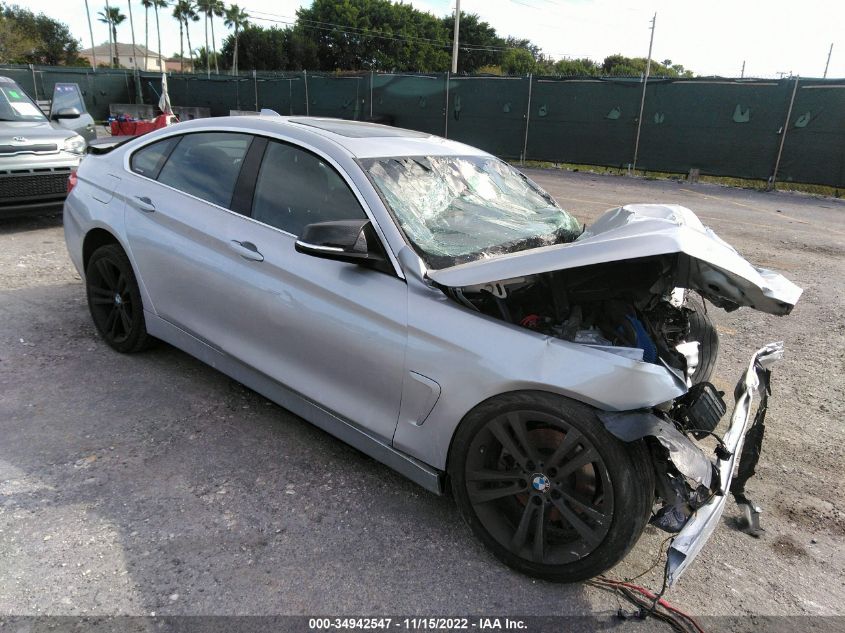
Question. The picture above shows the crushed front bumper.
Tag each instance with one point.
(698, 528)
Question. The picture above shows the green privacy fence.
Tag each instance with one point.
(724, 127)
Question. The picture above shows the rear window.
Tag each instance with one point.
(148, 160)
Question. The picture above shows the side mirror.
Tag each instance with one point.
(67, 113)
(352, 241)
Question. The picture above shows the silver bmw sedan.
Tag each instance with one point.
(430, 305)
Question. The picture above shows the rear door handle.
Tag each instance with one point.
(144, 204)
(247, 250)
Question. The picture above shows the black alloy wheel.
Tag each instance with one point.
(115, 300)
(547, 488)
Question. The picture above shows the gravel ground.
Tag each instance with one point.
(152, 483)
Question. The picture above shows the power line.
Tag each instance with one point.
(525, 4)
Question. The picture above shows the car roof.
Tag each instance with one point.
(359, 138)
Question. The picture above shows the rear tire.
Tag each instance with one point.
(546, 488)
(114, 300)
(703, 331)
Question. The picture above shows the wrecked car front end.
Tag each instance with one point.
(618, 319)
(633, 285)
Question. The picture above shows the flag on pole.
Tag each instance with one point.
(164, 100)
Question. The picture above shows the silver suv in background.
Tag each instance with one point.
(36, 155)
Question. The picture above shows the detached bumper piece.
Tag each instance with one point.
(740, 439)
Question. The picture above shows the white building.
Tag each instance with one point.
(128, 56)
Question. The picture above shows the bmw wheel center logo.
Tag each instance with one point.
(540, 482)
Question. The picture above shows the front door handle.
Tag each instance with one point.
(144, 204)
(247, 250)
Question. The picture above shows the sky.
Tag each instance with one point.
(713, 37)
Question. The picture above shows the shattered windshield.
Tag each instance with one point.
(455, 209)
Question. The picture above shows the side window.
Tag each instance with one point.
(296, 188)
(148, 160)
(67, 96)
(206, 165)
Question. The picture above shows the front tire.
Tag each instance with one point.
(114, 300)
(703, 331)
(546, 488)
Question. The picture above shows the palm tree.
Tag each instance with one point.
(146, 4)
(159, 4)
(218, 10)
(106, 19)
(134, 48)
(177, 13)
(190, 15)
(185, 12)
(205, 7)
(112, 16)
(236, 18)
(211, 8)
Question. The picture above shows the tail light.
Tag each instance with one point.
(71, 181)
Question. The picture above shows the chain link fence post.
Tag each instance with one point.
(446, 110)
(527, 120)
(774, 176)
(307, 100)
(255, 87)
(34, 83)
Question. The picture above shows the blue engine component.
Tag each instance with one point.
(644, 341)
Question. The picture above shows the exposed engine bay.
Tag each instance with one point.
(630, 308)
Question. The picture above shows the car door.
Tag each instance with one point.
(67, 99)
(179, 225)
(334, 332)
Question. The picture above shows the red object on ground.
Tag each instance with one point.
(136, 128)
(131, 128)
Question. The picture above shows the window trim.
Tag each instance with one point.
(164, 157)
(393, 257)
(244, 192)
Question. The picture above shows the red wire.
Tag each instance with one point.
(663, 603)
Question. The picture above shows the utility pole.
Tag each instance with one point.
(642, 99)
(828, 61)
(455, 37)
(742, 72)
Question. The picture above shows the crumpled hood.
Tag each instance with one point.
(706, 263)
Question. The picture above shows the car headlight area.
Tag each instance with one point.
(75, 144)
